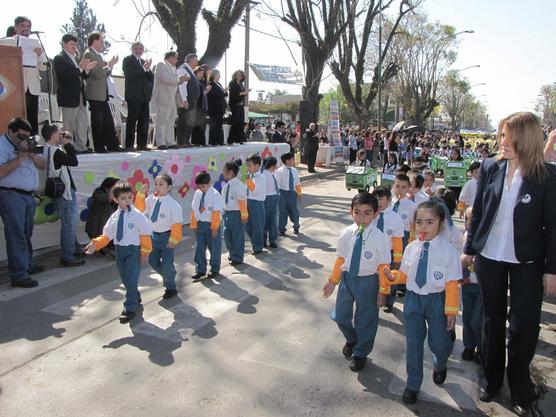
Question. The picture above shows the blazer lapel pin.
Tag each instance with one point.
(526, 199)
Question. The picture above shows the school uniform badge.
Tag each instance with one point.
(130, 225)
(526, 199)
(368, 254)
(404, 216)
(438, 275)
(389, 231)
(162, 216)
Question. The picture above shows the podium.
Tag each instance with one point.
(12, 96)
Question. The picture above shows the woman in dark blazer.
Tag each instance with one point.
(512, 242)
(198, 133)
(216, 108)
(237, 103)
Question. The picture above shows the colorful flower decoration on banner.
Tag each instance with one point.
(84, 215)
(137, 180)
(187, 159)
(89, 177)
(212, 163)
(244, 172)
(276, 148)
(155, 169)
(222, 156)
(266, 152)
(183, 190)
(196, 170)
(174, 167)
(219, 183)
(125, 166)
(112, 174)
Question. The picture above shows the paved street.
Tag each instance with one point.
(258, 341)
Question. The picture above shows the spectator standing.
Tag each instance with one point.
(257, 135)
(198, 134)
(189, 93)
(70, 92)
(102, 207)
(19, 179)
(311, 147)
(237, 106)
(139, 81)
(216, 108)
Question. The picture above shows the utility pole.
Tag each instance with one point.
(246, 63)
(379, 63)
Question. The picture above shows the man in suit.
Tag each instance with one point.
(138, 92)
(96, 91)
(164, 99)
(189, 94)
(70, 92)
(33, 62)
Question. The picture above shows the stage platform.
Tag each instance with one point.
(138, 168)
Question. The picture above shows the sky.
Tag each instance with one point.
(509, 42)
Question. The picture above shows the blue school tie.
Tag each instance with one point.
(120, 228)
(291, 180)
(421, 277)
(156, 210)
(380, 224)
(276, 185)
(356, 256)
(396, 206)
(227, 194)
(202, 204)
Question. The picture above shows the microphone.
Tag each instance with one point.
(36, 32)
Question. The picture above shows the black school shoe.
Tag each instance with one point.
(409, 396)
(273, 245)
(296, 231)
(486, 396)
(72, 263)
(388, 308)
(126, 316)
(25, 283)
(198, 275)
(347, 350)
(468, 354)
(439, 377)
(213, 274)
(235, 263)
(357, 363)
(169, 294)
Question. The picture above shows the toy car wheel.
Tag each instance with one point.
(375, 184)
(349, 189)
(367, 189)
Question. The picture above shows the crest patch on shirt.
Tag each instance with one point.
(210, 208)
(162, 216)
(438, 275)
(130, 225)
(389, 231)
(526, 199)
(404, 216)
(368, 254)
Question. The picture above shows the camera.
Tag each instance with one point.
(29, 144)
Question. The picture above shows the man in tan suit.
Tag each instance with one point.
(34, 60)
(96, 91)
(166, 81)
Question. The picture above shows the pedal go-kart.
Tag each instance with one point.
(360, 178)
(455, 174)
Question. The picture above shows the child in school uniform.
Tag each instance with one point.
(406, 210)
(416, 182)
(469, 190)
(392, 165)
(290, 191)
(131, 232)
(391, 224)
(362, 160)
(450, 232)
(363, 252)
(235, 212)
(256, 195)
(472, 307)
(271, 202)
(206, 215)
(431, 269)
(167, 219)
(429, 186)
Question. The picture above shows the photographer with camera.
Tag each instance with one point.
(19, 179)
(60, 154)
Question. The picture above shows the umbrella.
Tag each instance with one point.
(398, 126)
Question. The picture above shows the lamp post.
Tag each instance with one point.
(477, 85)
(379, 95)
(466, 68)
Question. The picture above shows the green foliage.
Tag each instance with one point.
(546, 104)
(291, 109)
(82, 22)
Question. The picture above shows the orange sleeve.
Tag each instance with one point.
(411, 233)
(101, 241)
(336, 274)
(176, 233)
(243, 209)
(451, 305)
(193, 223)
(385, 283)
(146, 244)
(250, 184)
(298, 189)
(397, 249)
(215, 220)
(140, 202)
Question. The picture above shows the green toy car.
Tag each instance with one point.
(360, 178)
(438, 164)
(455, 174)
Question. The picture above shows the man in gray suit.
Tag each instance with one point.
(102, 122)
(165, 98)
(189, 93)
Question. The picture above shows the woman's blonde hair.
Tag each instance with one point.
(526, 136)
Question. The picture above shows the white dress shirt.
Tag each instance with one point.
(271, 183)
(135, 226)
(406, 211)
(500, 241)
(393, 225)
(238, 191)
(259, 193)
(213, 202)
(283, 177)
(375, 250)
(468, 192)
(443, 265)
(182, 88)
(453, 235)
(420, 197)
(170, 212)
